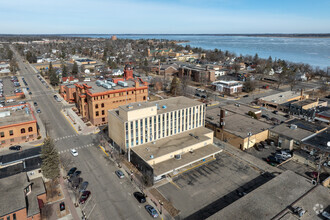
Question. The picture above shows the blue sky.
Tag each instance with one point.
(163, 16)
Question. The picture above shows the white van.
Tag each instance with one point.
(10, 100)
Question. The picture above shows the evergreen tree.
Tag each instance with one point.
(64, 70)
(75, 68)
(175, 86)
(50, 160)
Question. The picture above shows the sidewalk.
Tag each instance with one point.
(68, 197)
(77, 123)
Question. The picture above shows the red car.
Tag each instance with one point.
(314, 174)
(84, 196)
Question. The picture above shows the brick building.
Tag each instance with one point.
(197, 74)
(94, 99)
(67, 91)
(21, 197)
(17, 125)
(228, 87)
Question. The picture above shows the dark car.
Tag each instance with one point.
(76, 181)
(151, 210)
(30, 93)
(85, 195)
(120, 174)
(76, 173)
(83, 186)
(244, 96)
(203, 96)
(62, 206)
(272, 159)
(197, 94)
(17, 147)
(71, 171)
(140, 197)
(35, 104)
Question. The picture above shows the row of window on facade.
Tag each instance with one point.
(11, 132)
(8, 217)
(192, 120)
(12, 140)
(119, 94)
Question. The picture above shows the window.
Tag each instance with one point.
(22, 130)
(97, 113)
(102, 112)
(3, 142)
(11, 132)
(102, 105)
(8, 217)
(14, 216)
(30, 129)
(12, 140)
(31, 136)
(103, 119)
(96, 105)
(2, 134)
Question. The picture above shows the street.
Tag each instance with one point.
(111, 197)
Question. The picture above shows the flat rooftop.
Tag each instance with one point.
(240, 109)
(297, 133)
(186, 159)
(170, 144)
(309, 126)
(17, 115)
(12, 193)
(282, 97)
(96, 89)
(165, 105)
(269, 199)
(320, 140)
(304, 102)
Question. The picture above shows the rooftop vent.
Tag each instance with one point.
(177, 156)
(151, 156)
(164, 107)
(130, 106)
(139, 104)
(293, 127)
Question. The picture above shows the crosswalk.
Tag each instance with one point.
(76, 148)
(66, 137)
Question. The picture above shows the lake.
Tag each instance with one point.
(314, 51)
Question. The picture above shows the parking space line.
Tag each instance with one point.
(194, 167)
(174, 184)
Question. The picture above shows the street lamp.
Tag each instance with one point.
(161, 207)
(249, 135)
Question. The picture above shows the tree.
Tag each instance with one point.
(249, 86)
(64, 70)
(75, 68)
(175, 86)
(50, 160)
(236, 68)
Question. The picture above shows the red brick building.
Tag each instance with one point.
(21, 198)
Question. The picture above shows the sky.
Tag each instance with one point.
(163, 16)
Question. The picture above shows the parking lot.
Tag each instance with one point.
(205, 190)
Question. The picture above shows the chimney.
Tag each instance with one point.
(301, 94)
(222, 118)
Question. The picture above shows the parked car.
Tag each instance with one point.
(75, 181)
(282, 157)
(38, 110)
(74, 152)
(120, 174)
(17, 147)
(140, 197)
(272, 159)
(35, 103)
(71, 171)
(62, 206)
(85, 195)
(151, 210)
(314, 174)
(244, 96)
(22, 102)
(30, 93)
(83, 186)
(76, 173)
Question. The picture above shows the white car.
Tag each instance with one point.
(74, 152)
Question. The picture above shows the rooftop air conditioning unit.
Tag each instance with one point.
(177, 156)
(293, 127)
